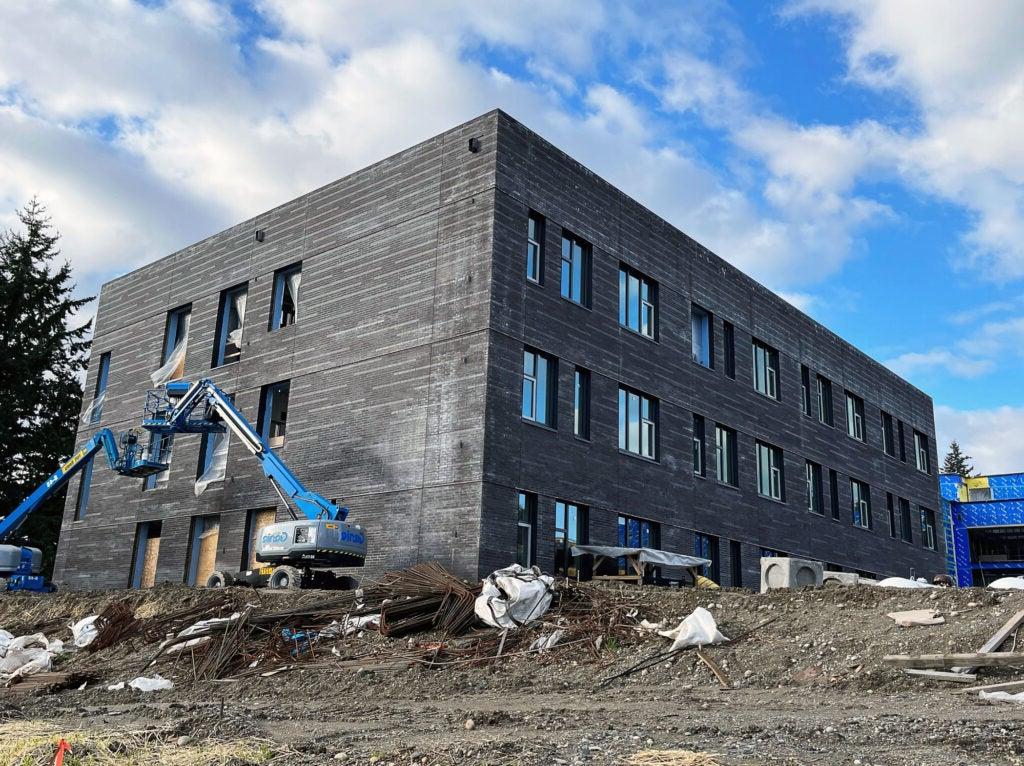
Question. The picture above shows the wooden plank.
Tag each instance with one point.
(713, 666)
(954, 660)
(1006, 686)
(943, 675)
(997, 640)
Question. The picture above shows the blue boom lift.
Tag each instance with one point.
(295, 553)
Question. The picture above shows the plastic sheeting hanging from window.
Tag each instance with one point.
(217, 468)
(174, 367)
(293, 281)
(94, 410)
(238, 306)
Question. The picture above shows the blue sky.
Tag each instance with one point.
(861, 158)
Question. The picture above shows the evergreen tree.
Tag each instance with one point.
(957, 462)
(41, 366)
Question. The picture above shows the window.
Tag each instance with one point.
(230, 318)
(146, 554)
(814, 490)
(805, 390)
(284, 303)
(921, 452)
(539, 387)
(979, 494)
(570, 530)
(888, 437)
(825, 400)
(255, 520)
(891, 511)
(861, 494)
(736, 563)
(766, 370)
(855, 416)
(159, 452)
(575, 269)
(769, 471)
(172, 358)
(82, 501)
(833, 492)
(729, 349)
(906, 532)
(638, 423)
(535, 248)
(699, 446)
(706, 547)
(701, 336)
(526, 525)
(725, 455)
(636, 533)
(273, 420)
(638, 300)
(201, 556)
(581, 403)
(928, 539)
(95, 411)
(901, 440)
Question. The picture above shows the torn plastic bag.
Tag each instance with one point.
(697, 629)
(84, 631)
(26, 655)
(154, 683)
(95, 408)
(1002, 697)
(350, 625)
(514, 596)
(544, 643)
(218, 466)
(174, 367)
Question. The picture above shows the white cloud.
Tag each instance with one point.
(915, 364)
(993, 437)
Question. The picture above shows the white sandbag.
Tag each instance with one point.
(903, 582)
(514, 596)
(697, 629)
(84, 631)
(1007, 583)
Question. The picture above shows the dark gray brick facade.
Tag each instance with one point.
(406, 377)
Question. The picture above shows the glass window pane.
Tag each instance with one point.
(623, 307)
(542, 391)
(633, 317)
(622, 419)
(577, 273)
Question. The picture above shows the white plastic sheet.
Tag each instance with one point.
(697, 629)
(238, 305)
(95, 406)
(84, 631)
(218, 467)
(152, 683)
(1003, 697)
(26, 655)
(349, 625)
(903, 582)
(198, 628)
(514, 596)
(293, 282)
(1007, 583)
(174, 367)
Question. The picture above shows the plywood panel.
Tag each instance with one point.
(207, 557)
(260, 519)
(149, 562)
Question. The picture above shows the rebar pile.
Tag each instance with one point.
(421, 597)
(115, 623)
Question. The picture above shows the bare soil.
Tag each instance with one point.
(807, 688)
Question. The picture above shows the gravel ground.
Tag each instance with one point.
(809, 688)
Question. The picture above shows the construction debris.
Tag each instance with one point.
(977, 659)
(913, 617)
(514, 596)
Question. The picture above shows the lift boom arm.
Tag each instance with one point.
(188, 407)
(101, 440)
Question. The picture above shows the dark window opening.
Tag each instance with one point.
(284, 304)
(273, 420)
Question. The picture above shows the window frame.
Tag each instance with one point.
(165, 444)
(805, 390)
(563, 544)
(929, 531)
(570, 268)
(860, 503)
(699, 445)
(902, 439)
(646, 309)
(815, 491)
(278, 290)
(833, 491)
(906, 523)
(220, 336)
(727, 456)
(526, 506)
(102, 379)
(647, 424)
(922, 458)
(890, 508)
(549, 390)
(700, 314)
(826, 415)
(84, 488)
(855, 417)
(768, 371)
(771, 474)
(173, 330)
(706, 546)
(888, 434)
(535, 224)
(581, 403)
(264, 424)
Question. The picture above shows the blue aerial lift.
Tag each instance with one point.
(296, 553)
